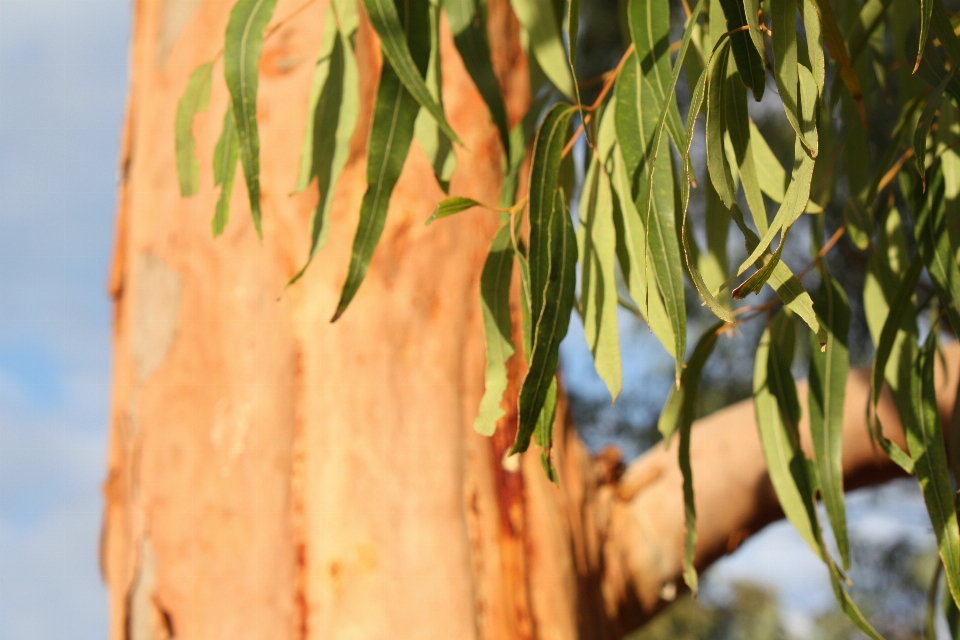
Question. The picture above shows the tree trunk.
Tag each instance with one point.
(273, 475)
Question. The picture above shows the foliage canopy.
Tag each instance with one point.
(634, 244)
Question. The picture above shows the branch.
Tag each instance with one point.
(643, 537)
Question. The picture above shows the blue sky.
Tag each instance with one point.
(63, 74)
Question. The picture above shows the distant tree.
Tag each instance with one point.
(276, 475)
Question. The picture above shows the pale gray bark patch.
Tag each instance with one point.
(156, 313)
(175, 17)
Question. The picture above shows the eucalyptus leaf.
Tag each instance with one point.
(749, 62)
(933, 242)
(827, 389)
(539, 22)
(394, 115)
(225, 156)
(241, 60)
(397, 40)
(195, 99)
(497, 328)
(778, 416)
(925, 440)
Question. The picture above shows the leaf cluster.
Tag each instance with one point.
(630, 237)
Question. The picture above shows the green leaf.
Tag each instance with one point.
(788, 288)
(225, 156)
(926, 119)
(194, 100)
(468, 22)
(755, 283)
(678, 415)
(551, 306)
(543, 433)
(738, 128)
(542, 30)
(717, 165)
(632, 251)
(778, 416)
(241, 59)
(749, 62)
(783, 19)
(899, 308)
(847, 605)
(926, 16)
(430, 136)
(752, 11)
(544, 176)
(794, 203)
(450, 206)
(944, 30)
(571, 28)
(598, 290)
(398, 38)
(925, 440)
(845, 52)
(394, 114)
(650, 29)
(827, 388)
(636, 130)
(717, 233)
(952, 613)
(814, 33)
(497, 328)
(933, 242)
(771, 174)
(334, 105)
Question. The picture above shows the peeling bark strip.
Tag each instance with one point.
(274, 476)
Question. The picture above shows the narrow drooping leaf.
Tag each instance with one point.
(429, 134)
(632, 252)
(827, 388)
(677, 415)
(241, 59)
(755, 283)
(845, 56)
(951, 611)
(397, 41)
(544, 176)
(571, 29)
(925, 440)
(771, 174)
(717, 165)
(539, 21)
(778, 416)
(788, 288)
(809, 106)
(846, 603)
(926, 17)
(900, 307)
(813, 28)
(543, 433)
(719, 309)
(636, 124)
(783, 19)
(450, 206)
(194, 100)
(497, 328)
(391, 132)
(945, 31)
(933, 241)
(597, 247)
(752, 11)
(794, 203)
(225, 157)
(334, 105)
(738, 128)
(551, 306)
(468, 23)
(748, 60)
(926, 119)
(650, 28)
